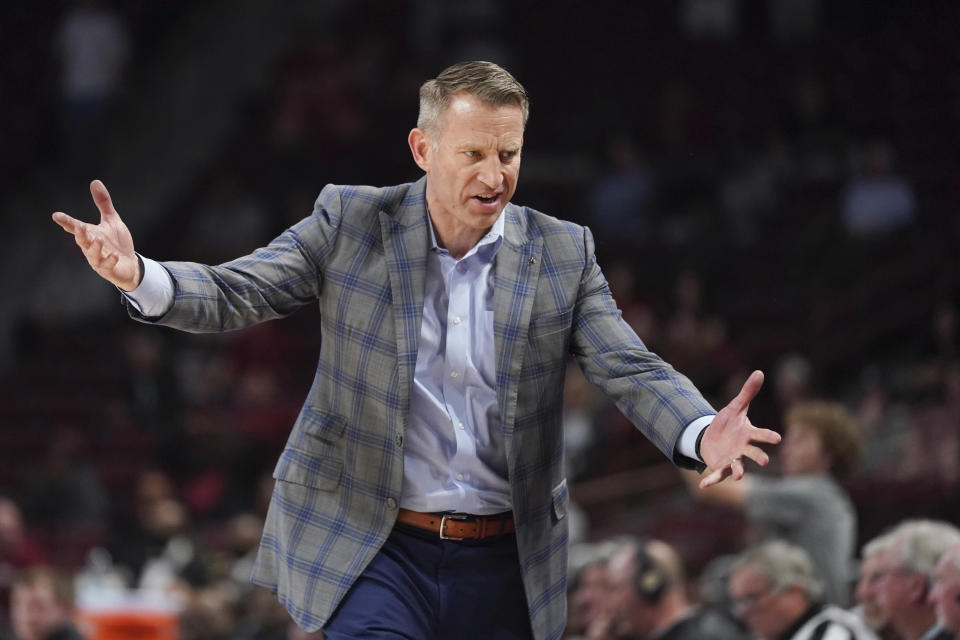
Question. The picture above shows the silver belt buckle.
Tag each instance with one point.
(443, 525)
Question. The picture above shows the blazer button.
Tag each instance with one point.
(391, 503)
(399, 439)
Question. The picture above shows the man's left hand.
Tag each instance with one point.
(731, 437)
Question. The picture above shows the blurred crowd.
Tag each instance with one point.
(771, 186)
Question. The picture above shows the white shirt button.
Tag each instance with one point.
(460, 424)
(456, 320)
(459, 476)
(453, 374)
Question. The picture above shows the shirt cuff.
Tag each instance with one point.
(154, 296)
(688, 439)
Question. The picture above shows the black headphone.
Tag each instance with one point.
(650, 580)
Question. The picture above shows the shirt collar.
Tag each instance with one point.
(493, 236)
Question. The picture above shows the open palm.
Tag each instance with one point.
(108, 246)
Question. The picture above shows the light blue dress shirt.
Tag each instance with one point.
(454, 456)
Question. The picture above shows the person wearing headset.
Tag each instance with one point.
(648, 599)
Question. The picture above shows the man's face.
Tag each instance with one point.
(945, 594)
(758, 604)
(632, 614)
(589, 599)
(802, 451)
(34, 611)
(472, 169)
(898, 590)
(867, 592)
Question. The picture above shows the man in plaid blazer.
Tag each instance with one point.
(413, 432)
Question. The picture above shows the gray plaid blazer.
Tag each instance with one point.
(362, 255)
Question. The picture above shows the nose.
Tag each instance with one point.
(491, 172)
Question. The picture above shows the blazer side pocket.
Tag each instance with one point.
(301, 468)
(561, 500)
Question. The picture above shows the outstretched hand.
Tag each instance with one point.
(731, 437)
(108, 246)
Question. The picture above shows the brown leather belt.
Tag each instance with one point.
(459, 526)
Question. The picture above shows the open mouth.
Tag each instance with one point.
(488, 199)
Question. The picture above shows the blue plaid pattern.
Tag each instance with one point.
(362, 256)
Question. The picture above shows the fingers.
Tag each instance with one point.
(70, 225)
(715, 477)
(757, 454)
(765, 436)
(94, 252)
(101, 197)
(749, 391)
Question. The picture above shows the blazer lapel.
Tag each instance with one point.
(516, 273)
(405, 244)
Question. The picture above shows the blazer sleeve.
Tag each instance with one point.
(269, 283)
(656, 398)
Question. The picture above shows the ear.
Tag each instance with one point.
(421, 148)
(918, 587)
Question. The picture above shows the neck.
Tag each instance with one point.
(914, 623)
(671, 610)
(458, 241)
(456, 238)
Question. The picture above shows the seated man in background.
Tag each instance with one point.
(908, 570)
(777, 593)
(41, 606)
(648, 598)
(807, 507)
(868, 605)
(946, 593)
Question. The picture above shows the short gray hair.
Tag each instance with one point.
(916, 545)
(877, 545)
(785, 565)
(490, 82)
(951, 558)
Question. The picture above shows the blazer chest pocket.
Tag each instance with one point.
(549, 322)
(301, 468)
(321, 425)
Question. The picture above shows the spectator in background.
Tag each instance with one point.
(588, 589)
(93, 47)
(777, 593)
(868, 606)
(41, 606)
(229, 219)
(63, 493)
(878, 200)
(151, 385)
(618, 201)
(792, 380)
(946, 592)
(907, 571)
(648, 598)
(807, 506)
(17, 550)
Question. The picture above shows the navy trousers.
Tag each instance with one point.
(419, 587)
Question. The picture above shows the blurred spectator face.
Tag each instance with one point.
(477, 154)
(588, 600)
(35, 612)
(897, 588)
(11, 525)
(758, 604)
(802, 451)
(870, 574)
(633, 615)
(945, 594)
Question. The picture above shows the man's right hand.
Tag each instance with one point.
(108, 246)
